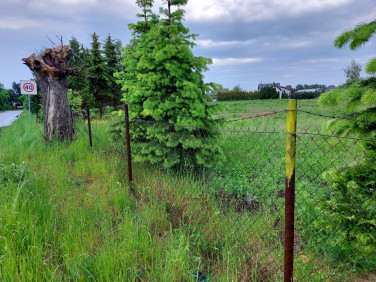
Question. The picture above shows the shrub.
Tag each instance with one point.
(237, 95)
(351, 204)
(268, 93)
(350, 208)
(304, 95)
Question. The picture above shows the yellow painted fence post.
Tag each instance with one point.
(290, 189)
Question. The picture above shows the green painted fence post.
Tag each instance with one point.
(290, 189)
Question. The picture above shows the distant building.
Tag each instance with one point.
(329, 88)
(312, 90)
(261, 85)
(283, 90)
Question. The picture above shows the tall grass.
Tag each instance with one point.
(66, 213)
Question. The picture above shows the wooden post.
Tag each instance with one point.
(290, 190)
(89, 125)
(29, 107)
(128, 143)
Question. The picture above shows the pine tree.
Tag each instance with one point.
(98, 77)
(356, 37)
(164, 85)
(79, 85)
(350, 206)
(112, 52)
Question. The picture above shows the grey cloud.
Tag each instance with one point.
(293, 47)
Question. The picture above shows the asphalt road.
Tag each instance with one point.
(8, 117)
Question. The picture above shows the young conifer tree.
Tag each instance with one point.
(112, 52)
(98, 77)
(164, 86)
(79, 85)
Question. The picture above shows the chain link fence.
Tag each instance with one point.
(247, 186)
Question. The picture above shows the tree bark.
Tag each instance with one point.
(51, 73)
(102, 109)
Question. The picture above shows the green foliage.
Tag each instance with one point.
(79, 85)
(350, 208)
(74, 101)
(303, 95)
(98, 76)
(371, 67)
(5, 100)
(96, 85)
(306, 86)
(164, 85)
(10, 97)
(351, 204)
(268, 93)
(354, 97)
(112, 52)
(237, 95)
(357, 37)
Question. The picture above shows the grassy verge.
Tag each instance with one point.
(67, 214)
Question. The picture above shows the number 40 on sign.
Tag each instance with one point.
(28, 87)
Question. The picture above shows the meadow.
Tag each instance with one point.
(67, 212)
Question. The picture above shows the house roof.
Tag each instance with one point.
(330, 87)
(285, 88)
(262, 85)
(309, 90)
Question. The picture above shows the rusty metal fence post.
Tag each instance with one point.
(89, 125)
(128, 143)
(290, 189)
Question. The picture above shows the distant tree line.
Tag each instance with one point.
(238, 94)
(305, 86)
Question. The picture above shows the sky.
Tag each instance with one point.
(250, 41)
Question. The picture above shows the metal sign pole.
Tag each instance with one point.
(29, 109)
(28, 87)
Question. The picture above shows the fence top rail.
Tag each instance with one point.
(335, 117)
(335, 136)
(256, 130)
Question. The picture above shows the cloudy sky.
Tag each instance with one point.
(250, 41)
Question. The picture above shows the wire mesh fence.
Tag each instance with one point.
(247, 184)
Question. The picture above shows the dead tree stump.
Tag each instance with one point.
(51, 73)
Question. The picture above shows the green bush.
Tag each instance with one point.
(237, 95)
(304, 95)
(5, 103)
(268, 93)
(350, 207)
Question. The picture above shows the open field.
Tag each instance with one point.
(67, 213)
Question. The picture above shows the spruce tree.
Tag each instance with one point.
(164, 86)
(112, 52)
(350, 207)
(98, 77)
(79, 85)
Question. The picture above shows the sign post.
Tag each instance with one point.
(28, 87)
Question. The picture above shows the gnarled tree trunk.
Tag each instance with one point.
(51, 74)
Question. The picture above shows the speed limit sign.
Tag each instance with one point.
(28, 87)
